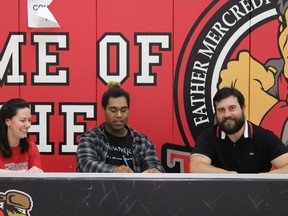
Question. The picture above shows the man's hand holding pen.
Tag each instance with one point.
(152, 170)
(123, 169)
(126, 169)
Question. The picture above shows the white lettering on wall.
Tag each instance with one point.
(104, 45)
(147, 58)
(40, 128)
(46, 58)
(71, 127)
(10, 60)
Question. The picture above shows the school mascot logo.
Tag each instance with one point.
(218, 52)
(14, 202)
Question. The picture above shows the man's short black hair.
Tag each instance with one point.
(114, 91)
(227, 92)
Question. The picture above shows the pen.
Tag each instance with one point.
(125, 160)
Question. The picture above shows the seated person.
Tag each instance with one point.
(113, 146)
(235, 145)
(17, 153)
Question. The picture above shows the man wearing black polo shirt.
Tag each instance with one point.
(236, 145)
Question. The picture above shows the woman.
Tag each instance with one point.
(17, 153)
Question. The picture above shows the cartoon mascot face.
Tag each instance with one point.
(16, 203)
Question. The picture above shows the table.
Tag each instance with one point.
(145, 194)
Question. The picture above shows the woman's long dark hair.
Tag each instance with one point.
(7, 111)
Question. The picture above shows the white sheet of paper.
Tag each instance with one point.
(39, 15)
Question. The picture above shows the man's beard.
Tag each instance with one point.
(232, 128)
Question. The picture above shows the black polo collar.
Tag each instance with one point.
(248, 131)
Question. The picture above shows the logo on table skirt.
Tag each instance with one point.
(15, 202)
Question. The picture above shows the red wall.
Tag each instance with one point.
(63, 109)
